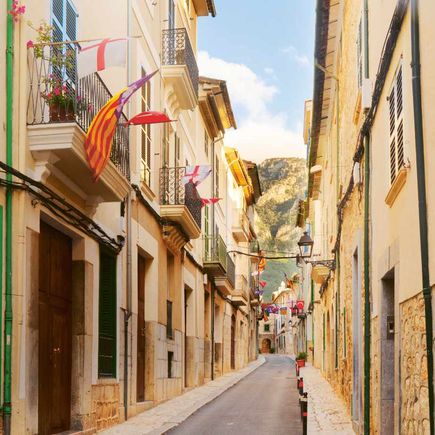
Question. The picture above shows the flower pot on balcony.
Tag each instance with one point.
(61, 112)
(300, 363)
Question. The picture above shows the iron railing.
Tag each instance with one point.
(174, 192)
(231, 270)
(242, 285)
(242, 219)
(57, 95)
(215, 251)
(177, 50)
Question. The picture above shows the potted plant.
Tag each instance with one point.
(300, 359)
(60, 100)
(56, 87)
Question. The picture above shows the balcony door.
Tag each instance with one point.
(64, 22)
(171, 15)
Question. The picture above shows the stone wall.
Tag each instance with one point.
(167, 388)
(413, 366)
(105, 405)
(374, 377)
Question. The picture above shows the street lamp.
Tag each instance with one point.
(306, 245)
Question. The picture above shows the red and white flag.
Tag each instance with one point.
(196, 174)
(101, 54)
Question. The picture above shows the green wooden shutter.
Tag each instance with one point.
(107, 316)
(64, 22)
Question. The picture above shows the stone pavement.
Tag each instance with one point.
(327, 413)
(163, 417)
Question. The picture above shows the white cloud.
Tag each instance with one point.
(246, 88)
(262, 133)
(300, 59)
(271, 73)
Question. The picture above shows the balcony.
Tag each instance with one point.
(319, 273)
(218, 264)
(179, 69)
(56, 127)
(180, 202)
(240, 229)
(239, 296)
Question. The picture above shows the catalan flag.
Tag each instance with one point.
(98, 143)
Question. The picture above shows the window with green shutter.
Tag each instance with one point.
(107, 316)
(64, 22)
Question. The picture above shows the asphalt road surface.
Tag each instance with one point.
(265, 402)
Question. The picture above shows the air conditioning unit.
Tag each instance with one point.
(366, 94)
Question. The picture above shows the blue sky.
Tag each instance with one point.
(265, 53)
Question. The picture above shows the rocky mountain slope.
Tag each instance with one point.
(283, 182)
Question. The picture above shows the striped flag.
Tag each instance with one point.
(98, 143)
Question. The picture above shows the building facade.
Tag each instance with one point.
(112, 302)
(368, 148)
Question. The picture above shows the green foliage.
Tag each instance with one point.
(302, 355)
(284, 182)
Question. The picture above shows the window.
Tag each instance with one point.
(170, 364)
(177, 149)
(395, 100)
(165, 145)
(171, 15)
(169, 333)
(64, 22)
(107, 316)
(206, 141)
(146, 133)
(216, 171)
(266, 327)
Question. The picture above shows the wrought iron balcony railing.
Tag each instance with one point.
(231, 270)
(215, 251)
(56, 95)
(174, 192)
(177, 50)
(242, 285)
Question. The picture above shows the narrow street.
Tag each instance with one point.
(266, 401)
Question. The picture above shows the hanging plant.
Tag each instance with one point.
(17, 11)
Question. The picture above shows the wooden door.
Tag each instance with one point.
(233, 343)
(54, 378)
(140, 376)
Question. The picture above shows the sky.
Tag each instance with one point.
(265, 53)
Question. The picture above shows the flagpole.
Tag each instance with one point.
(50, 44)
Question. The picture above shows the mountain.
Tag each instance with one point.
(283, 181)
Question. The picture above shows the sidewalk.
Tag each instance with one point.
(163, 417)
(326, 411)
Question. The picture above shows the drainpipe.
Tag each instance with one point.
(367, 308)
(127, 311)
(8, 295)
(422, 205)
(213, 233)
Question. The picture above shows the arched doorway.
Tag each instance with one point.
(265, 345)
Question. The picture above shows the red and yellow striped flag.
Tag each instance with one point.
(98, 143)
